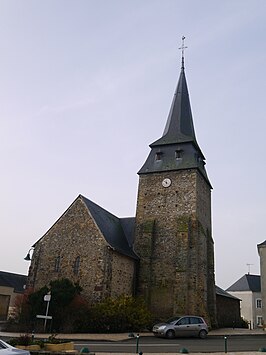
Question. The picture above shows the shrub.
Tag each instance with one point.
(244, 323)
(122, 314)
(71, 312)
(24, 340)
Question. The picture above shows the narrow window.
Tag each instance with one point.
(178, 154)
(57, 264)
(259, 321)
(258, 303)
(158, 156)
(76, 265)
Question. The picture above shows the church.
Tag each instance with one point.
(165, 253)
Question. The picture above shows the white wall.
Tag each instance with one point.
(262, 254)
(246, 305)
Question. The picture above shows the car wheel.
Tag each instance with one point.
(202, 334)
(170, 334)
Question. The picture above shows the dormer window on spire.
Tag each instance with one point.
(201, 160)
(178, 153)
(158, 156)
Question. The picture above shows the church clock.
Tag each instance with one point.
(166, 182)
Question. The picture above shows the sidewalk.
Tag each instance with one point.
(124, 336)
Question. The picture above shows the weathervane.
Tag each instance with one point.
(183, 47)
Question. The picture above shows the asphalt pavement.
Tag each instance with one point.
(124, 336)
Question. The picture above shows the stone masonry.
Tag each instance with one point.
(101, 271)
(173, 240)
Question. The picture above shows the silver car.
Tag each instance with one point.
(7, 349)
(181, 326)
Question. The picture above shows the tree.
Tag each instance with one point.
(62, 304)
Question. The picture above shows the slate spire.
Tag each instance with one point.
(177, 149)
(179, 126)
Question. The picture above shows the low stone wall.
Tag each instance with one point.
(59, 347)
(49, 348)
(29, 347)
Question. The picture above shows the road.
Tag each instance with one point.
(156, 345)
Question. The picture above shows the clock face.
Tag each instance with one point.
(166, 182)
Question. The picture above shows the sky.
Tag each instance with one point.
(86, 86)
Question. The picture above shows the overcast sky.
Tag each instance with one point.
(86, 86)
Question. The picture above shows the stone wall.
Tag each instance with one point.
(173, 240)
(123, 276)
(228, 312)
(75, 248)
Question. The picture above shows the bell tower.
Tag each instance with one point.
(173, 219)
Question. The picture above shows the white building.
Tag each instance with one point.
(248, 289)
(262, 254)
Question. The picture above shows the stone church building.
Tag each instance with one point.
(165, 253)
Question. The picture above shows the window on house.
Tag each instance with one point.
(258, 303)
(57, 264)
(259, 321)
(76, 265)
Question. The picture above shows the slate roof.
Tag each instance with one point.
(118, 232)
(15, 281)
(179, 126)
(178, 136)
(247, 282)
(128, 225)
(220, 292)
(262, 244)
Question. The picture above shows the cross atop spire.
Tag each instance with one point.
(183, 47)
(177, 149)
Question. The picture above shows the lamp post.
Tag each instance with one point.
(132, 335)
(137, 344)
(225, 344)
(28, 257)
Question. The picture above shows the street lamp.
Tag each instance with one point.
(27, 257)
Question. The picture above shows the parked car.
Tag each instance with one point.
(6, 349)
(181, 326)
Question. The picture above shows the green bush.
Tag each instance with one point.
(244, 323)
(23, 340)
(13, 342)
(71, 312)
(122, 314)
